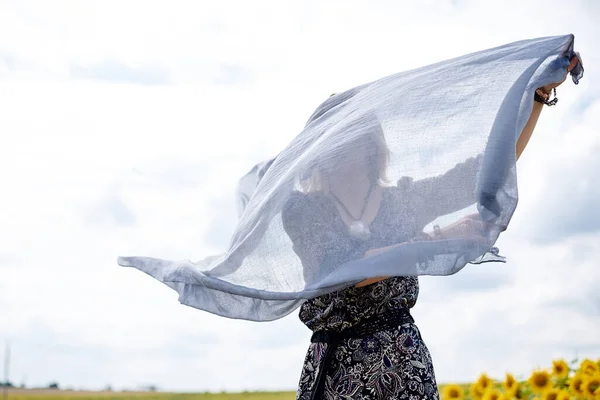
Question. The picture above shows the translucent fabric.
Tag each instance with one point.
(413, 174)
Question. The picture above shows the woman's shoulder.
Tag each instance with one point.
(404, 183)
(298, 198)
(402, 187)
(304, 204)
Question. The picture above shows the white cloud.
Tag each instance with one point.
(125, 126)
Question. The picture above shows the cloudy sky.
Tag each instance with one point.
(124, 128)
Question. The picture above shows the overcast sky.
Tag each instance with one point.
(125, 126)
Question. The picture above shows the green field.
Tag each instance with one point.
(73, 395)
(18, 394)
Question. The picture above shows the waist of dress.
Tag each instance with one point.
(376, 323)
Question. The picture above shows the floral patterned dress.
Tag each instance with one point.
(389, 364)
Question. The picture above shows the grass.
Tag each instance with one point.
(46, 394)
(76, 395)
(20, 394)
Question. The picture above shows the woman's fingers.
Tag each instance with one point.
(469, 227)
(573, 63)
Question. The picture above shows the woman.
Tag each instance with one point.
(365, 344)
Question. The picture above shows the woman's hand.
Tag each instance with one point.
(374, 252)
(468, 226)
(544, 92)
(548, 88)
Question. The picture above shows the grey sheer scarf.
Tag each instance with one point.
(435, 147)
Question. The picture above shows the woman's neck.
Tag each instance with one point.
(351, 191)
(356, 199)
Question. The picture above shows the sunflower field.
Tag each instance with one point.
(562, 381)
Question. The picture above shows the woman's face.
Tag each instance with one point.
(352, 160)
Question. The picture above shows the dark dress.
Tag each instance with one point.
(389, 364)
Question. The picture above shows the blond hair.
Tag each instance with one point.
(379, 155)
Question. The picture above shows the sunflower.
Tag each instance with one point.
(493, 394)
(453, 392)
(560, 368)
(510, 384)
(591, 387)
(588, 367)
(576, 384)
(476, 391)
(519, 394)
(551, 394)
(484, 382)
(563, 395)
(540, 381)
